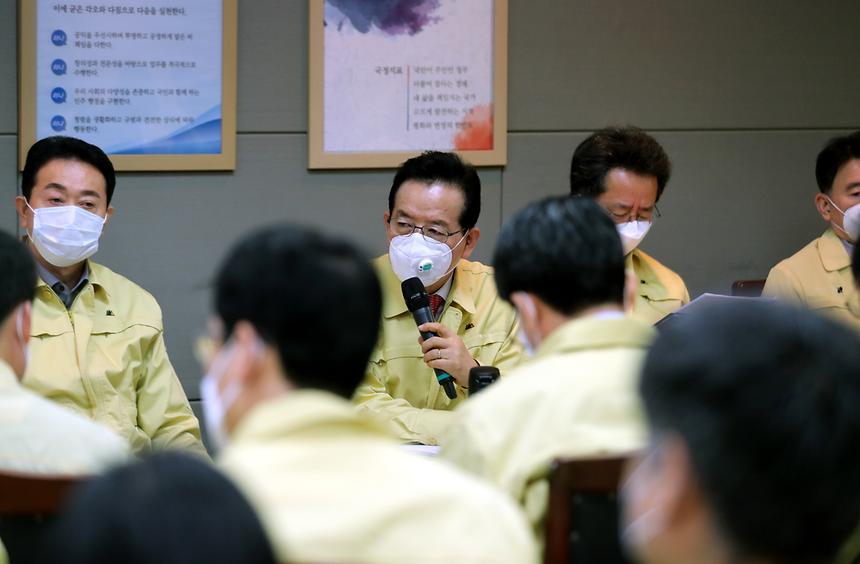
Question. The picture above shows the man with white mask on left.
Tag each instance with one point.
(431, 223)
(97, 343)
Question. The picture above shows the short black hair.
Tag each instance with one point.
(835, 153)
(564, 250)
(61, 147)
(628, 148)
(767, 399)
(18, 279)
(445, 168)
(313, 297)
(169, 508)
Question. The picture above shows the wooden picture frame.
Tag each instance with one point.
(148, 157)
(322, 153)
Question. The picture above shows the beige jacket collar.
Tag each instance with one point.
(589, 333)
(300, 412)
(832, 252)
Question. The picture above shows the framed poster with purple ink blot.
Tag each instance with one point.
(392, 78)
(153, 83)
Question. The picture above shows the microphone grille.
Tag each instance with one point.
(414, 294)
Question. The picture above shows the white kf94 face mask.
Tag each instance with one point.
(632, 233)
(66, 235)
(414, 256)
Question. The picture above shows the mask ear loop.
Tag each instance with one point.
(529, 305)
(19, 322)
(842, 229)
(234, 390)
(451, 252)
(32, 227)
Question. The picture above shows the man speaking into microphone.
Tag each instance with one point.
(431, 224)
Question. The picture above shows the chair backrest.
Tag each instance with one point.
(30, 494)
(28, 504)
(582, 516)
(748, 288)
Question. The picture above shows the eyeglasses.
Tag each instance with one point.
(644, 214)
(402, 227)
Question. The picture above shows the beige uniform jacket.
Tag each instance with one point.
(399, 387)
(577, 397)
(819, 277)
(105, 359)
(660, 290)
(331, 485)
(40, 437)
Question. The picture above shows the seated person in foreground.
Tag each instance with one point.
(38, 436)
(330, 484)
(819, 275)
(433, 209)
(626, 171)
(98, 342)
(754, 417)
(169, 508)
(559, 262)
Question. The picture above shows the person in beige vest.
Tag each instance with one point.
(753, 411)
(819, 275)
(38, 436)
(626, 171)
(559, 262)
(299, 314)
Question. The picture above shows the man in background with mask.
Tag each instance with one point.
(819, 275)
(97, 345)
(754, 417)
(36, 435)
(625, 170)
(433, 209)
(330, 484)
(559, 262)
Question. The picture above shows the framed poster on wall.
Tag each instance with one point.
(151, 82)
(389, 79)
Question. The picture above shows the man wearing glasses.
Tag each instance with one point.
(433, 209)
(625, 170)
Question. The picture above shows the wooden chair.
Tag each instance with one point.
(582, 516)
(28, 504)
(748, 288)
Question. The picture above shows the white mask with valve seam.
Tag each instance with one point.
(415, 256)
(66, 235)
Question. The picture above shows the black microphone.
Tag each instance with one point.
(418, 303)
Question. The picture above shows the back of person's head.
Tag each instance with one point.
(17, 275)
(433, 167)
(65, 148)
(312, 297)
(566, 251)
(627, 148)
(169, 508)
(835, 153)
(766, 399)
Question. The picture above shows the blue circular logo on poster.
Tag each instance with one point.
(58, 123)
(58, 37)
(58, 67)
(58, 95)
